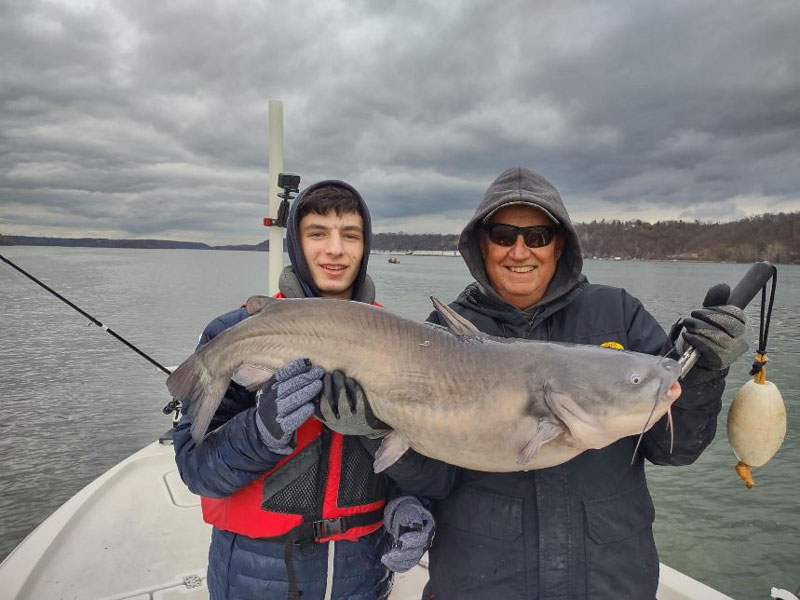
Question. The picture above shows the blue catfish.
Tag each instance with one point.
(451, 393)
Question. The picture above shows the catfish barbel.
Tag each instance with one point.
(451, 393)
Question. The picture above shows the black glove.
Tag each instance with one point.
(717, 331)
(343, 407)
(411, 526)
(285, 402)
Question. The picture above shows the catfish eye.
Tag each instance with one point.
(635, 378)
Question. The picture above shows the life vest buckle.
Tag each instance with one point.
(328, 527)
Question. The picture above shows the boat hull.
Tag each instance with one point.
(137, 532)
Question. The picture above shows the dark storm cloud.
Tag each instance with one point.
(150, 119)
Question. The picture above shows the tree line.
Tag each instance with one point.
(772, 237)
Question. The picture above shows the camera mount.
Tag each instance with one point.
(290, 184)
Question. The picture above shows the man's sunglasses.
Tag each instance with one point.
(506, 235)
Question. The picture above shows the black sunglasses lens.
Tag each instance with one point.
(536, 237)
(503, 235)
(506, 235)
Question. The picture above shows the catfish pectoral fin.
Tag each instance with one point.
(252, 377)
(393, 447)
(547, 430)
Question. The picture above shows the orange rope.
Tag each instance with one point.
(761, 375)
(743, 470)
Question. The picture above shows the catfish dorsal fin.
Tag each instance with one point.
(255, 304)
(454, 321)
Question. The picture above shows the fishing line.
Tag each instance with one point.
(87, 315)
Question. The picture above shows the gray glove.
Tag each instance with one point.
(411, 527)
(343, 407)
(717, 331)
(285, 402)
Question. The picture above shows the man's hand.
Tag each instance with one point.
(343, 407)
(285, 402)
(411, 527)
(717, 331)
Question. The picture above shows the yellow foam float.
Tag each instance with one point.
(756, 423)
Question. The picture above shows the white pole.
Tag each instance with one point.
(275, 167)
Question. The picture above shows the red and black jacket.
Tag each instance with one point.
(324, 490)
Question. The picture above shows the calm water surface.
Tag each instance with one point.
(75, 401)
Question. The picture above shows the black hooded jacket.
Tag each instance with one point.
(581, 530)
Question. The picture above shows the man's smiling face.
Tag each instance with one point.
(333, 246)
(518, 273)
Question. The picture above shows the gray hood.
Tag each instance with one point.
(289, 285)
(521, 186)
(298, 274)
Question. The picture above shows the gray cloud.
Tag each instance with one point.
(150, 119)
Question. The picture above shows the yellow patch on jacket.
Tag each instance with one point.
(614, 345)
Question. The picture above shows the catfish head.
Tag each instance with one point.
(599, 395)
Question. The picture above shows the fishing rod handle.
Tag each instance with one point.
(742, 294)
(687, 360)
(751, 283)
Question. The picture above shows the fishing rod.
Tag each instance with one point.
(87, 315)
(753, 281)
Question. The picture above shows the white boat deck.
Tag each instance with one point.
(136, 533)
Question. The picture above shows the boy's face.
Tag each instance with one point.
(333, 247)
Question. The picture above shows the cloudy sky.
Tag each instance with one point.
(150, 119)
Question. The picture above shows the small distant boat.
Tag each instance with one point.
(394, 260)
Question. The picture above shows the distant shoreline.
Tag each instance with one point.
(771, 237)
(401, 253)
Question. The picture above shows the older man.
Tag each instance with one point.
(583, 529)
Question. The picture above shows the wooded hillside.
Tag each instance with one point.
(772, 237)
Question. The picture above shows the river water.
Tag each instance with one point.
(75, 401)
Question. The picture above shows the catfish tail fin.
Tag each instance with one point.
(191, 382)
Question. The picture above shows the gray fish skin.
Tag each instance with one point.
(472, 400)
